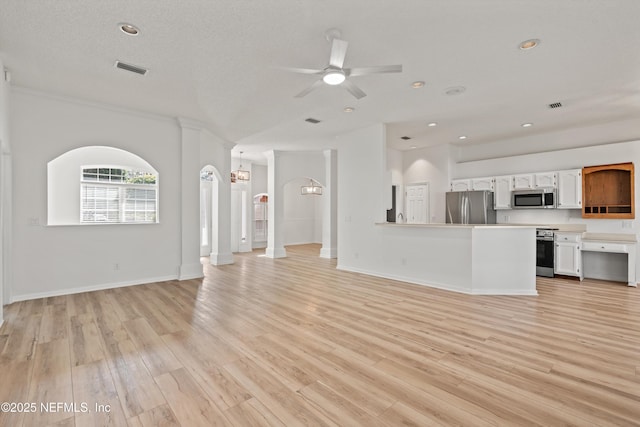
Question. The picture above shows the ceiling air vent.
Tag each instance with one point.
(555, 105)
(132, 68)
(312, 120)
(406, 138)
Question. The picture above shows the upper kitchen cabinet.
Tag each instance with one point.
(570, 189)
(545, 180)
(482, 184)
(523, 182)
(530, 181)
(608, 191)
(461, 185)
(503, 186)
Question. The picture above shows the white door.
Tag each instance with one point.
(417, 196)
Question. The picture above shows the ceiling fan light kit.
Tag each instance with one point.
(334, 74)
(334, 77)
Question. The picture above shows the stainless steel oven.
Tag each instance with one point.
(545, 256)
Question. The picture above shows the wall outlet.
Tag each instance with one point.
(403, 261)
(116, 266)
(627, 224)
(33, 221)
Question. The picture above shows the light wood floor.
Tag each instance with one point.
(295, 342)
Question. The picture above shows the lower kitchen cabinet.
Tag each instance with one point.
(568, 254)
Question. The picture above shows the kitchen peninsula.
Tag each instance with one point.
(474, 259)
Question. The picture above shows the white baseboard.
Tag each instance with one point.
(276, 253)
(329, 253)
(221, 259)
(100, 287)
(190, 271)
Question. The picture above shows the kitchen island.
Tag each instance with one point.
(494, 259)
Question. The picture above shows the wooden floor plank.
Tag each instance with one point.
(50, 383)
(93, 386)
(156, 355)
(189, 402)
(294, 341)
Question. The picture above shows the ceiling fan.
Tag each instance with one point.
(334, 73)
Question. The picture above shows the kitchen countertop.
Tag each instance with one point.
(442, 225)
(610, 237)
(578, 228)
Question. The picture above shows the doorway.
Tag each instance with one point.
(417, 200)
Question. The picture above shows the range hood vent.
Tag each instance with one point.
(132, 68)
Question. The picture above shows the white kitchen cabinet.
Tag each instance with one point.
(545, 180)
(503, 185)
(568, 254)
(523, 181)
(482, 183)
(570, 189)
(461, 185)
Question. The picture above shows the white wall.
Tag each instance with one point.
(362, 196)
(65, 259)
(430, 165)
(395, 167)
(5, 193)
(302, 214)
(258, 179)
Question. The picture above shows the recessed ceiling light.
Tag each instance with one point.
(462, 137)
(456, 90)
(432, 124)
(527, 125)
(529, 44)
(129, 29)
(413, 147)
(349, 109)
(417, 84)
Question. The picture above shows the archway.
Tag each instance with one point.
(302, 212)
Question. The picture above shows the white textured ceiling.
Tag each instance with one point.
(217, 62)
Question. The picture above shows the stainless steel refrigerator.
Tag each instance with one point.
(470, 207)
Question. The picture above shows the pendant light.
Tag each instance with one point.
(241, 175)
(312, 188)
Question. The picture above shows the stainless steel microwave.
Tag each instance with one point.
(542, 198)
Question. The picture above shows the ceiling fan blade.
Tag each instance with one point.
(302, 70)
(353, 89)
(361, 71)
(317, 84)
(338, 53)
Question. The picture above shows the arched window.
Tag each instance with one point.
(102, 185)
